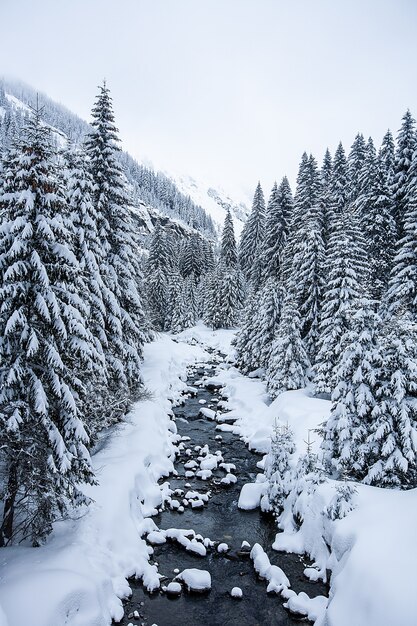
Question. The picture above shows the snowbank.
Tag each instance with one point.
(79, 576)
(373, 550)
(219, 340)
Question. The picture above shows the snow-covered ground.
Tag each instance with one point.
(79, 577)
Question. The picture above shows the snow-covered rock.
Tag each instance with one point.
(196, 580)
(250, 495)
(237, 593)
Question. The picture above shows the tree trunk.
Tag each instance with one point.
(6, 531)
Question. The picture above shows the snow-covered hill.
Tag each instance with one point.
(215, 200)
(188, 204)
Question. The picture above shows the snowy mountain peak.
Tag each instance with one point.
(214, 200)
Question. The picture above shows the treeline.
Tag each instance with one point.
(152, 188)
(332, 295)
(189, 280)
(72, 318)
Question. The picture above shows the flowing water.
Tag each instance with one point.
(222, 521)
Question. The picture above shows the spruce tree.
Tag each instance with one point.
(278, 213)
(347, 279)
(306, 278)
(387, 156)
(87, 250)
(126, 327)
(379, 231)
(44, 344)
(251, 242)
(289, 362)
(228, 249)
(402, 290)
(391, 447)
(355, 396)
(406, 145)
(157, 276)
(278, 469)
(356, 161)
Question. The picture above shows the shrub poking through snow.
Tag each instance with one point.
(277, 468)
(343, 502)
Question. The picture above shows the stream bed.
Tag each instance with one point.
(221, 521)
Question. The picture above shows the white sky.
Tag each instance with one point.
(229, 90)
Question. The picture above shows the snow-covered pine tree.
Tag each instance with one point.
(391, 447)
(406, 145)
(387, 156)
(87, 250)
(289, 363)
(278, 212)
(265, 321)
(379, 230)
(347, 278)
(301, 203)
(345, 439)
(305, 281)
(402, 290)
(157, 275)
(356, 159)
(228, 248)
(251, 242)
(246, 360)
(44, 344)
(325, 202)
(225, 285)
(126, 326)
(278, 469)
(192, 258)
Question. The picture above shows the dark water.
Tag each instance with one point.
(220, 520)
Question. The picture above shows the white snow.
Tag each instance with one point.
(208, 413)
(236, 592)
(222, 547)
(277, 580)
(229, 479)
(250, 496)
(174, 588)
(79, 576)
(196, 579)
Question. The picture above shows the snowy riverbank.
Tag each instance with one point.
(373, 550)
(79, 576)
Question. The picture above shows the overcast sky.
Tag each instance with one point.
(228, 90)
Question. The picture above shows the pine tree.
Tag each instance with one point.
(356, 160)
(406, 145)
(252, 240)
(87, 250)
(278, 213)
(347, 276)
(44, 344)
(391, 448)
(265, 323)
(387, 156)
(228, 249)
(402, 291)
(126, 327)
(379, 231)
(355, 396)
(157, 273)
(246, 360)
(306, 279)
(289, 363)
(225, 291)
(278, 469)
